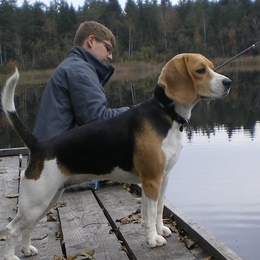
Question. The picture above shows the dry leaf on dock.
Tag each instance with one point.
(189, 243)
(12, 195)
(58, 257)
(40, 238)
(58, 235)
(134, 217)
(60, 205)
(51, 217)
(3, 238)
(88, 254)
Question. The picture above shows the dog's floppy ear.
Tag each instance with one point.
(177, 80)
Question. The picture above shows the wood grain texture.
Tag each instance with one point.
(85, 227)
(121, 203)
(86, 221)
(43, 236)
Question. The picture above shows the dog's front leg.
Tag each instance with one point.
(161, 228)
(27, 249)
(149, 215)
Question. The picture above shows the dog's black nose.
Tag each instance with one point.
(227, 82)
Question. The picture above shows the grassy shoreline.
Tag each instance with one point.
(132, 70)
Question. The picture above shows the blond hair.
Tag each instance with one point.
(93, 28)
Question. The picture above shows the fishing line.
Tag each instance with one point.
(247, 51)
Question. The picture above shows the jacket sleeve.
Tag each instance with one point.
(87, 96)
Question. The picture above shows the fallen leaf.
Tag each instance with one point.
(58, 235)
(134, 217)
(124, 248)
(182, 231)
(189, 243)
(174, 229)
(60, 205)
(138, 199)
(3, 238)
(58, 257)
(126, 186)
(9, 219)
(51, 217)
(88, 254)
(13, 195)
(40, 238)
(209, 258)
(125, 220)
(16, 178)
(167, 221)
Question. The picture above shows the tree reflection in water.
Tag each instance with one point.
(240, 109)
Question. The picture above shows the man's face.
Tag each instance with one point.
(102, 49)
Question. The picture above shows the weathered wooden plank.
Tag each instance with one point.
(8, 170)
(44, 239)
(85, 227)
(121, 203)
(44, 234)
(14, 151)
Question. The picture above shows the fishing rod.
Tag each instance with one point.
(249, 49)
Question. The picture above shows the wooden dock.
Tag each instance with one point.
(103, 225)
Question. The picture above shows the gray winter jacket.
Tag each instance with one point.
(74, 95)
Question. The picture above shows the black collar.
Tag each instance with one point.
(160, 98)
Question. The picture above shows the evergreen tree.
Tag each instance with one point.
(147, 30)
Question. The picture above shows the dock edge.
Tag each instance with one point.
(204, 238)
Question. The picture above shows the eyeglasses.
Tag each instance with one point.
(108, 46)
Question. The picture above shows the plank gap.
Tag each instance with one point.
(115, 228)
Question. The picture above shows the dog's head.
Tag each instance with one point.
(190, 76)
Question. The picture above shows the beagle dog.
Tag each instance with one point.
(140, 145)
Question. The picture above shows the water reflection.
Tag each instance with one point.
(216, 182)
(241, 109)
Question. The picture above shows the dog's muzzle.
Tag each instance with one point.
(227, 83)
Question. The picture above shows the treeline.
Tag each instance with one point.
(37, 36)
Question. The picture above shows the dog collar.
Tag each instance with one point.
(168, 106)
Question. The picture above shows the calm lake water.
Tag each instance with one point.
(216, 180)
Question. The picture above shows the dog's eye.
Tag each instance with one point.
(201, 71)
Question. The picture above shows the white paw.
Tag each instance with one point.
(157, 240)
(29, 251)
(164, 231)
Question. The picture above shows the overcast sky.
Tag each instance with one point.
(75, 3)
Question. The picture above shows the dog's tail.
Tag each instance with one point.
(9, 109)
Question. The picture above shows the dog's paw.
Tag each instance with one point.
(156, 241)
(164, 231)
(29, 251)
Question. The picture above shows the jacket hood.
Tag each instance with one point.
(104, 71)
